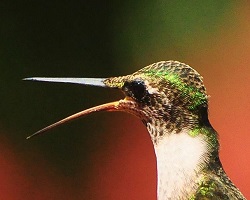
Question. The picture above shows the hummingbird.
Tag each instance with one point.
(169, 97)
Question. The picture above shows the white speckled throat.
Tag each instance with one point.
(180, 158)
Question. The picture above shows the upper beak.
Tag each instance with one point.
(84, 81)
(112, 106)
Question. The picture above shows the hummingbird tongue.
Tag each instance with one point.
(112, 106)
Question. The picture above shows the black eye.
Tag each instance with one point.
(135, 89)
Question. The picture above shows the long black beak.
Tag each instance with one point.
(112, 106)
(84, 81)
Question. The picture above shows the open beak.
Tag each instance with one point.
(112, 106)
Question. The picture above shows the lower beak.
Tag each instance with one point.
(112, 106)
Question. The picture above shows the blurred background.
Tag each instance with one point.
(109, 155)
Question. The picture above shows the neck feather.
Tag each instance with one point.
(180, 159)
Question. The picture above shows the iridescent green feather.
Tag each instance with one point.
(196, 97)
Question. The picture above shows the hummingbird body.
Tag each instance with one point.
(171, 100)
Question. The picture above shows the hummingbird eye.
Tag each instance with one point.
(135, 89)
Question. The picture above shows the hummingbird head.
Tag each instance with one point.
(167, 96)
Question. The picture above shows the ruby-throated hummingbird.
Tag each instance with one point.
(171, 100)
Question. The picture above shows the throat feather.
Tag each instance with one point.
(180, 159)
